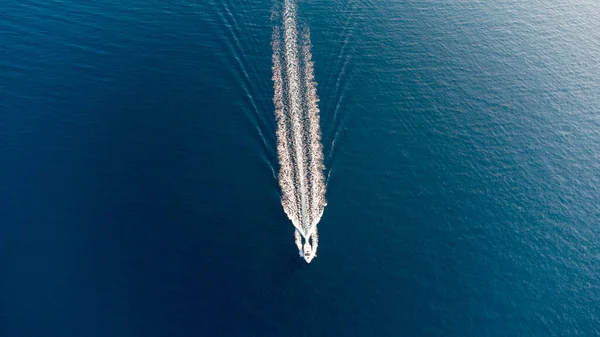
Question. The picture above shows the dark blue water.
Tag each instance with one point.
(138, 165)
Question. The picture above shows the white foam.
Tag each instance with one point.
(298, 132)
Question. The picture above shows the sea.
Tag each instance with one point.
(139, 191)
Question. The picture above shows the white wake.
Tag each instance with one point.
(298, 132)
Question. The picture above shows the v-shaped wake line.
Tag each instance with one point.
(299, 147)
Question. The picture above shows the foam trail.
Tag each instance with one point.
(299, 146)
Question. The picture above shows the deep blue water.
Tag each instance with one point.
(138, 189)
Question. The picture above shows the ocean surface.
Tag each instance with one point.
(138, 170)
